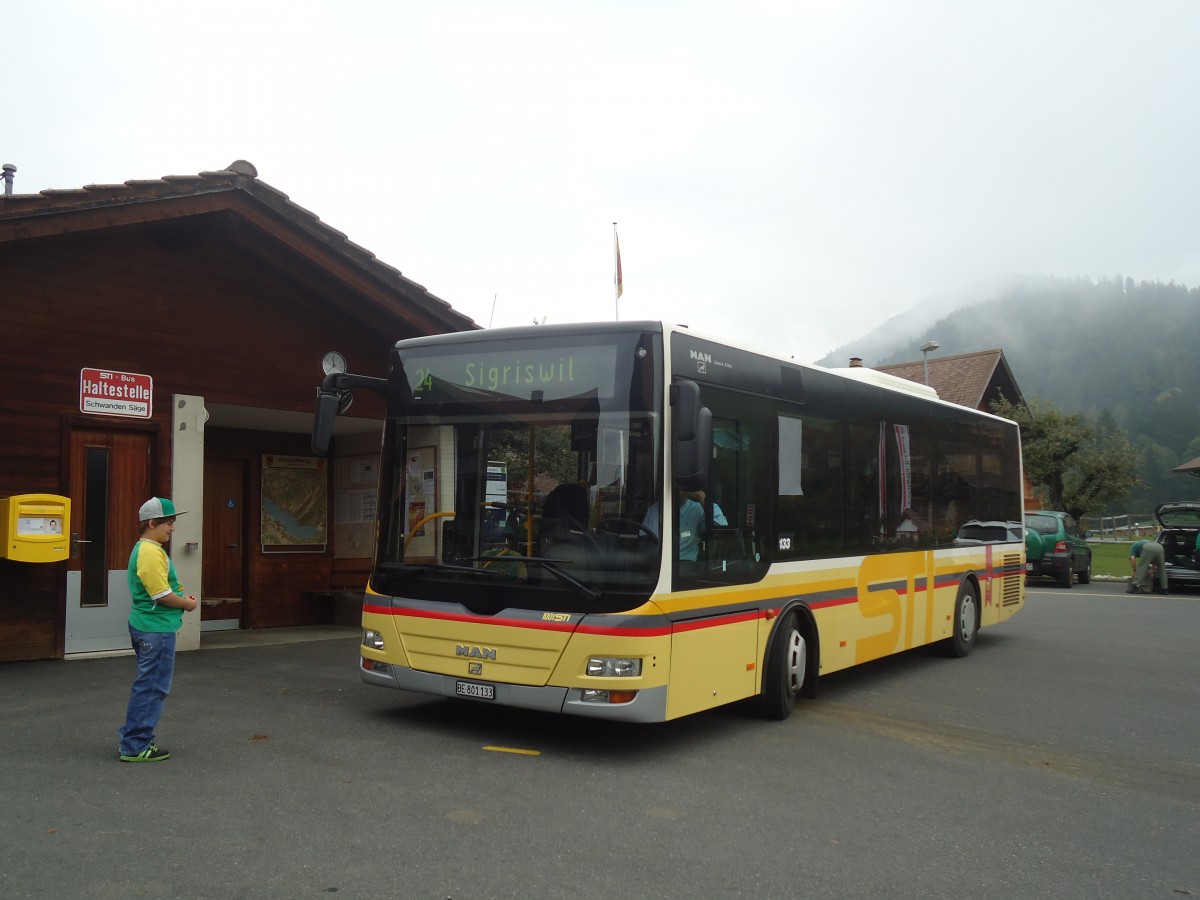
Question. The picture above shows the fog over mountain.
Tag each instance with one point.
(899, 338)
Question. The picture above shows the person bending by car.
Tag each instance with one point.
(1144, 558)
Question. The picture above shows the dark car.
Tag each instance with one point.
(1056, 548)
(1180, 526)
(973, 533)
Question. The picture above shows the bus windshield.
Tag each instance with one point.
(519, 474)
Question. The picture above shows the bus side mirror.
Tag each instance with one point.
(333, 397)
(327, 410)
(692, 452)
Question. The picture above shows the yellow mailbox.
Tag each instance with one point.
(34, 527)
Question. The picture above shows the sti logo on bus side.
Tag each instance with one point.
(475, 652)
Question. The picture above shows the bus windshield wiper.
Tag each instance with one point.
(551, 566)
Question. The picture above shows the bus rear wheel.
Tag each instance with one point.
(966, 621)
(784, 674)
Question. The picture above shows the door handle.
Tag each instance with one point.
(232, 546)
(75, 539)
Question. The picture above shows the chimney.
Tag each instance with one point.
(9, 171)
(856, 362)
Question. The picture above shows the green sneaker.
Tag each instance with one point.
(151, 754)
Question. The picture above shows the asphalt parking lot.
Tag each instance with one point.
(1057, 760)
(255, 759)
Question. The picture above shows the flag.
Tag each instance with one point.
(620, 285)
(904, 448)
(882, 471)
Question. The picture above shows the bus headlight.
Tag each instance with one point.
(614, 667)
(590, 696)
(373, 639)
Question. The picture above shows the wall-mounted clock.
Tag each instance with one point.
(333, 362)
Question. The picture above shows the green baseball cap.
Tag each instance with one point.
(158, 508)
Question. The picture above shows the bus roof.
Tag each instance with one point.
(883, 379)
(861, 374)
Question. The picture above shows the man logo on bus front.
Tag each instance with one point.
(475, 652)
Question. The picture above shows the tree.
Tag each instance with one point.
(1078, 466)
(1103, 472)
(552, 453)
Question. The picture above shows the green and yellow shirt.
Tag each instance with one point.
(151, 577)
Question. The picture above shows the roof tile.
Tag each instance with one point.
(963, 379)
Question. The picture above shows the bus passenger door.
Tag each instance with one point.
(715, 656)
(736, 501)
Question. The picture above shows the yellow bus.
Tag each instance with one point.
(812, 521)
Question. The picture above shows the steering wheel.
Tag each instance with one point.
(640, 527)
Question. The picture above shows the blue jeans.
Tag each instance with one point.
(155, 667)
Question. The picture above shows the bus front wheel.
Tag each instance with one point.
(784, 674)
(966, 621)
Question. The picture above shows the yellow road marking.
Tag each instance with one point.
(517, 750)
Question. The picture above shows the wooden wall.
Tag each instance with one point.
(31, 616)
(279, 586)
(201, 314)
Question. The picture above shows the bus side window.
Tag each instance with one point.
(809, 514)
(738, 495)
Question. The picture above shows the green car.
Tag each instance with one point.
(1056, 548)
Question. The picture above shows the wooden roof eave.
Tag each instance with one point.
(359, 270)
(56, 221)
(263, 208)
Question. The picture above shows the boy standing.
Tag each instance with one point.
(156, 614)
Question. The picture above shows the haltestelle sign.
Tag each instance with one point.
(106, 393)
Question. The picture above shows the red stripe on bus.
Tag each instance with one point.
(835, 601)
(591, 628)
(625, 631)
(716, 621)
(464, 617)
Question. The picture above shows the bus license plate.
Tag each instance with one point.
(478, 691)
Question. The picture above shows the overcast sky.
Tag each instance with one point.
(784, 174)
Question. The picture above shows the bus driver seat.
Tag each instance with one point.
(564, 521)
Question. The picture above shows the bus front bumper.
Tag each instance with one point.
(649, 705)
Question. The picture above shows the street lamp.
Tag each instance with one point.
(925, 348)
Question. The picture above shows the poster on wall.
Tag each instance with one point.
(295, 504)
(420, 489)
(355, 494)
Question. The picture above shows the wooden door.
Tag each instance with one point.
(224, 550)
(110, 480)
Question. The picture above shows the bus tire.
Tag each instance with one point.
(786, 664)
(966, 621)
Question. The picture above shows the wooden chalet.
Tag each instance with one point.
(975, 380)
(218, 298)
(1191, 467)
